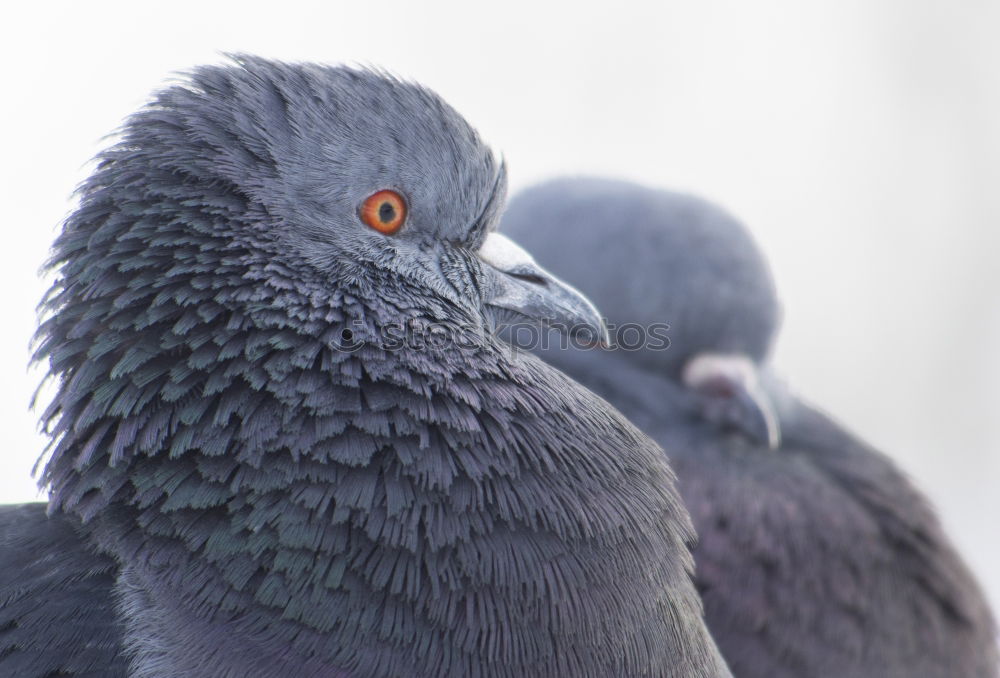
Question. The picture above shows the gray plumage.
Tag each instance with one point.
(816, 558)
(57, 614)
(281, 490)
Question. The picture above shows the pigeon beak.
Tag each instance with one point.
(516, 283)
(759, 419)
(732, 383)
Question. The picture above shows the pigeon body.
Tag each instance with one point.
(816, 557)
(286, 422)
(57, 611)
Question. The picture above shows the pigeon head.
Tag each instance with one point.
(650, 259)
(360, 174)
(362, 178)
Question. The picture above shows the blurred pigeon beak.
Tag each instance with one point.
(758, 418)
(731, 384)
(516, 283)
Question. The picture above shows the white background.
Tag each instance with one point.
(860, 139)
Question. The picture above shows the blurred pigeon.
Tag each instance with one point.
(816, 556)
(285, 440)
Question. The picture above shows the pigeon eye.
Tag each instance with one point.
(384, 211)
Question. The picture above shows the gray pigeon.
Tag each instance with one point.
(285, 440)
(817, 558)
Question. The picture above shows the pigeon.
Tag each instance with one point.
(285, 438)
(816, 556)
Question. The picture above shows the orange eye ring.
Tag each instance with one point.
(384, 211)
